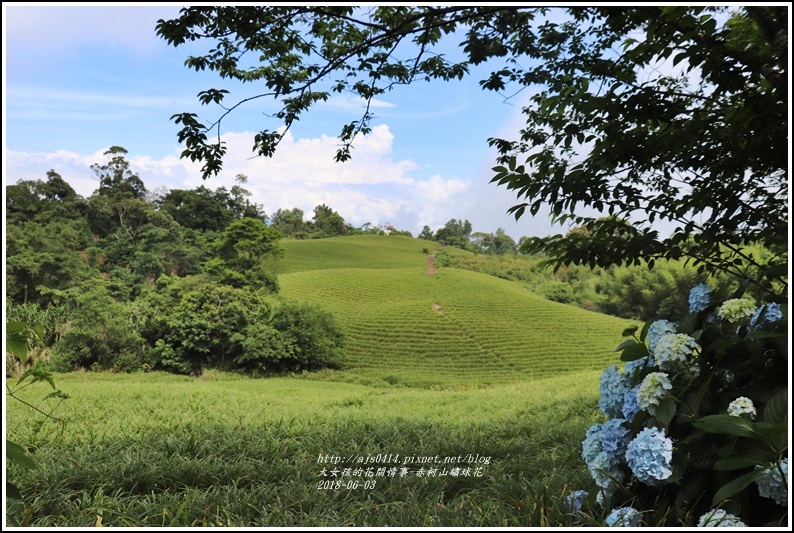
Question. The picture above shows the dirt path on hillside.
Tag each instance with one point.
(431, 262)
(431, 267)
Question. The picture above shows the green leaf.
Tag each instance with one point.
(17, 340)
(738, 462)
(776, 408)
(18, 455)
(666, 411)
(628, 332)
(625, 344)
(38, 329)
(12, 491)
(634, 351)
(760, 334)
(725, 424)
(57, 394)
(644, 331)
(734, 487)
(774, 435)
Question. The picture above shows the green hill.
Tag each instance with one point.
(361, 251)
(408, 325)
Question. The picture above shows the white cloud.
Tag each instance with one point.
(371, 187)
(75, 168)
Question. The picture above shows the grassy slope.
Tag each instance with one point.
(363, 251)
(455, 328)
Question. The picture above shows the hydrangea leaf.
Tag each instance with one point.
(776, 436)
(632, 350)
(726, 424)
(735, 486)
(738, 462)
(666, 411)
(776, 408)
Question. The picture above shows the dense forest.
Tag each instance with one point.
(180, 280)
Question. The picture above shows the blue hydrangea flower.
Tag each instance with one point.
(631, 405)
(624, 517)
(649, 455)
(614, 387)
(675, 350)
(603, 449)
(575, 500)
(773, 314)
(605, 497)
(720, 518)
(656, 330)
(771, 483)
(699, 298)
(653, 389)
(614, 437)
(631, 367)
(742, 406)
(736, 311)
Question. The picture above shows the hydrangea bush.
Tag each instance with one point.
(697, 420)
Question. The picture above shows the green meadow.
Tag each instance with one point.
(463, 401)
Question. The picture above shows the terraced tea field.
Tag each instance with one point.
(454, 328)
(363, 251)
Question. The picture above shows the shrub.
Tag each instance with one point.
(556, 291)
(196, 323)
(101, 335)
(442, 259)
(697, 431)
(191, 323)
(296, 336)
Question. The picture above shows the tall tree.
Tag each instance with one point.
(674, 113)
(198, 208)
(246, 242)
(28, 198)
(115, 177)
(327, 222)
(454, 233)
(289, 222)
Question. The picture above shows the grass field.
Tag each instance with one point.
(156, 449)
(455, 366)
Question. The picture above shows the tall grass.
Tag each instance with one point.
(155, 449)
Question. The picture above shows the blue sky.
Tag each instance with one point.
(78, 79)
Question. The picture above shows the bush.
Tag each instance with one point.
(442, 259)
(296, 336)
(55, 320)
(101, 336)
(697, 420)
(191, 323)
(195, 323)
(556, 291)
